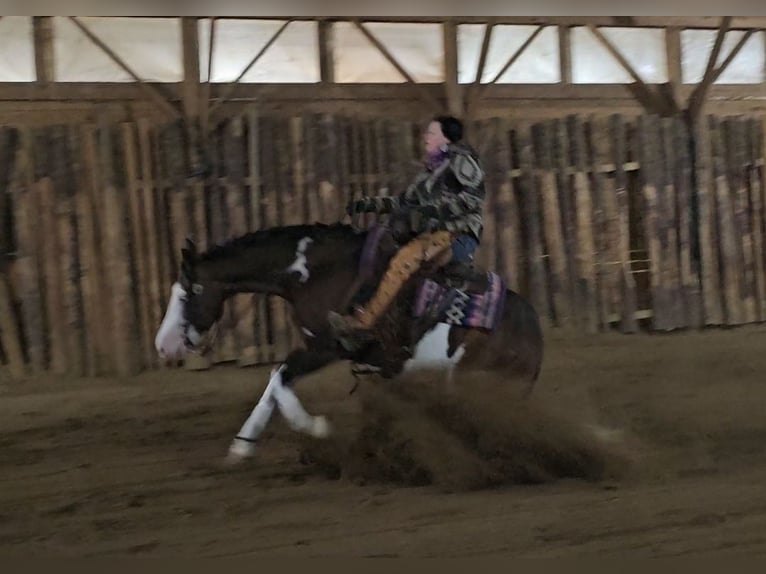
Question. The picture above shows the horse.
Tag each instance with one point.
(317, 268)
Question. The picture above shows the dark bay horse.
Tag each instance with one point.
(316, 268)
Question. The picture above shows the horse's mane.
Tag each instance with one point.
(288, 233)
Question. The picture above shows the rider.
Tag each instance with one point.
(444, 204)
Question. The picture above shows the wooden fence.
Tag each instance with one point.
(603, 223)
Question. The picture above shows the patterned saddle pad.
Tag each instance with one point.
(457, 307)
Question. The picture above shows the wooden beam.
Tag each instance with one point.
(42, 30)
(688, 22)
(474, 88)
(514, 57)
(150, 90)
(205, 97)
(261, 52)
(427, 97)
(118, 93)
(484, 53)
(191, 82)
(733, 54)
(651, 100)
(698, 96)
(565, 54)
(452, 87)
(326, 40)
(673, 59)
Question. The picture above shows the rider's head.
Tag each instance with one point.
(441, 131)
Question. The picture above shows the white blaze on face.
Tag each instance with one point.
(299, 265)
(169, 341)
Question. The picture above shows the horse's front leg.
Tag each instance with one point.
(279, 394)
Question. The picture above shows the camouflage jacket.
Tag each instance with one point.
(449, 197)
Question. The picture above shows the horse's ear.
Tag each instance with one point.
(188, 258)
(189, 250)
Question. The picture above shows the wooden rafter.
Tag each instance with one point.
(698, 96)
(205, 112)
(649, 97)
(150, 90)
(427, 97)
(565, 54)
(511, 60)
(258, 56)
(42, 27)
(191, 81)
(473, 90)
(451, 85)
(695, 22)
(673, 59)
(484, 52)
(326, 41)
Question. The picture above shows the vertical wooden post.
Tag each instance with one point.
(735, 137)
(585, 244)
(265, 352)
(63, 174)
(757, 222)
(628, 294)
(567, 208)
(708, 234)
(147, 328)
(326, 166)
(88, 253)
(538, 288)
(9, 140)
(91, 220)
(668, 220)
(150, 216)
(50, 256)
(728, 233)
(673, 59)
(554, 238)
(117, 264)
(453, 90)
(9, 332)
(689, 268)
(26, 210)
(602, 255)
(42, 30)
(565, 54)
(649, 138)
(509, 232)
(326, 52)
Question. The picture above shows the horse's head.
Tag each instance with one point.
(196, 304)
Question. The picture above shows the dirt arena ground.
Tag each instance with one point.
(631, 446)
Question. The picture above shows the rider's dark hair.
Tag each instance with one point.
(452, 128)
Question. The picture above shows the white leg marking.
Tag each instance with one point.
(299, 265)
(295, 415)
(431, 352)
(257, 421)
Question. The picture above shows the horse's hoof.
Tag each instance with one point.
(320, 427)
(239, 450)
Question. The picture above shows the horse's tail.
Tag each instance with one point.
(526, 323)
(519, 340)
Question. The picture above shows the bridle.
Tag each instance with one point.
(193, 340)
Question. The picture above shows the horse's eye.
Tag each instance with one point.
(197, 289)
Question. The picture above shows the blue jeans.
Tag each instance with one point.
(463, 248)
